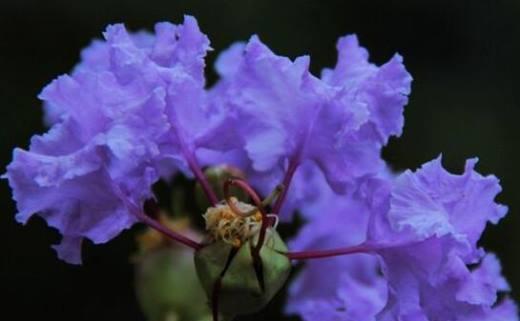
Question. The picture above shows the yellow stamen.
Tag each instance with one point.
(224, 224)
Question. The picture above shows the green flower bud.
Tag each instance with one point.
(167, 286)
(244, 287)
(166, 282)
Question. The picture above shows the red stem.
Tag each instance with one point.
(201, 178)
(246, 188)
(258, 203)
(215, 298)
(310, 255)
(293, 165)
(169, 233)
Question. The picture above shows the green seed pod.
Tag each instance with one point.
(246, 284)
(165, 279)
(167, 286)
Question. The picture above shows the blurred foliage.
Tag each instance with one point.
(464, 56)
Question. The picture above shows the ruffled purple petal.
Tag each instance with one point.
(428, 224)
(113, 118)
(286, 115)
(73, 194)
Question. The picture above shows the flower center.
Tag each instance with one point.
(234, 226)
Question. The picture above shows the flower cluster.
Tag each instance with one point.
(136, 110)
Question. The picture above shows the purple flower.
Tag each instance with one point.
(427, 224)
(287, 117)
(425, 227)
(133, 109)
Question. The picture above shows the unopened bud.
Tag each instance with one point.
(242, 289)
(166, 282)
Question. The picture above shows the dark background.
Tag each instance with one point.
(463, 55)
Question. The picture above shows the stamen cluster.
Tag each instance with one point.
(225, 224)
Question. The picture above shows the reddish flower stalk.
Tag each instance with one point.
(321, 254)
(291, 169)
(169, 233)
(215, 298)
(201, 178)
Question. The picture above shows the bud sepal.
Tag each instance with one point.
(245, 284)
